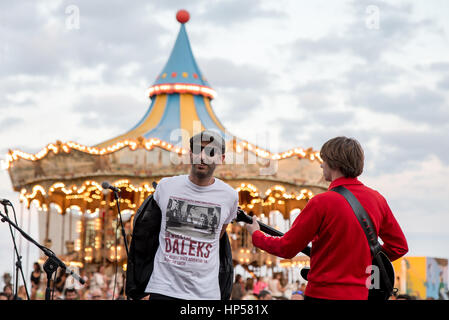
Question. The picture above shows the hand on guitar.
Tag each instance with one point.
(251, 227)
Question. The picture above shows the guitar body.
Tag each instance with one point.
(382, 289)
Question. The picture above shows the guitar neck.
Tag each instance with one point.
(242, 216)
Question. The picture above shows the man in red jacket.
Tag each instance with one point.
(340, 253)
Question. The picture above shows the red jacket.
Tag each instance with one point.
(340, 252)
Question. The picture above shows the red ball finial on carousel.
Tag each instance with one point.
(182, 16)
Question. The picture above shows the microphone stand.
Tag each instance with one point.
(19, 259)
(116, 196)
(121, 222)
(52, 263)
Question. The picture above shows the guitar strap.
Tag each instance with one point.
(368, 228)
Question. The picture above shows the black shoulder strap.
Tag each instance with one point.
(362, 217)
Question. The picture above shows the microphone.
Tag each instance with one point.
(5, 202)
(73, 274)
(106, 185)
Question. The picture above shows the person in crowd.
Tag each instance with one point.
(288, 288)
(6, 278)
(238, 290)
(35, 278)
(302, 287)
(3, 296)
(329, 222)
(21, 293)
(249, 290)
(249, 285)
(7, 289)
(265, 295)
(71, 294)
(96, 294)
(297, 295)
(260, 285)
(36, 275)
(275, 286)
(99, 278)
(60, 281)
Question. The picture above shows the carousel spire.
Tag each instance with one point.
(181, 73)
(180, 98)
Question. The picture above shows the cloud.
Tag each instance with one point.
(113, 38)
(418, 181)
(366, 76)
(230, 12)
(418, 104)
(367, 42)
(440, 66)
(444, 84)
(224, 74)
(9, 122)
(117, 111)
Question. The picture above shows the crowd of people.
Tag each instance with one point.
(103, 284)
(267, 288)
(100, 284)
(278, 288)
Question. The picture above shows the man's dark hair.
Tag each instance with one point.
(264, 293)
(344, 154)
(211, 137)
(70, 290)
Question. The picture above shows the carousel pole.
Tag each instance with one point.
(63, 232)
(104, 220)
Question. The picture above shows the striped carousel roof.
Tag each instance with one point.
(180, 98)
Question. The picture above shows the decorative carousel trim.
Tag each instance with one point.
(91, 191)
(149, 144)
(275, 194)
(169, 88)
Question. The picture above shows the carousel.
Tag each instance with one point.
(78, 218)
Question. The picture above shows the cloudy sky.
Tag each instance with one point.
(299, 72)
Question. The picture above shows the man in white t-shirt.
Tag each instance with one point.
(196, 210)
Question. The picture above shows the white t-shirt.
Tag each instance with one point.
(187, 261)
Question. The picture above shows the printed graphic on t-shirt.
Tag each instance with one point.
(190, 231)
(192, 219)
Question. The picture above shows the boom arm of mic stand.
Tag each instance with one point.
(50, 254)
(242, 216)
